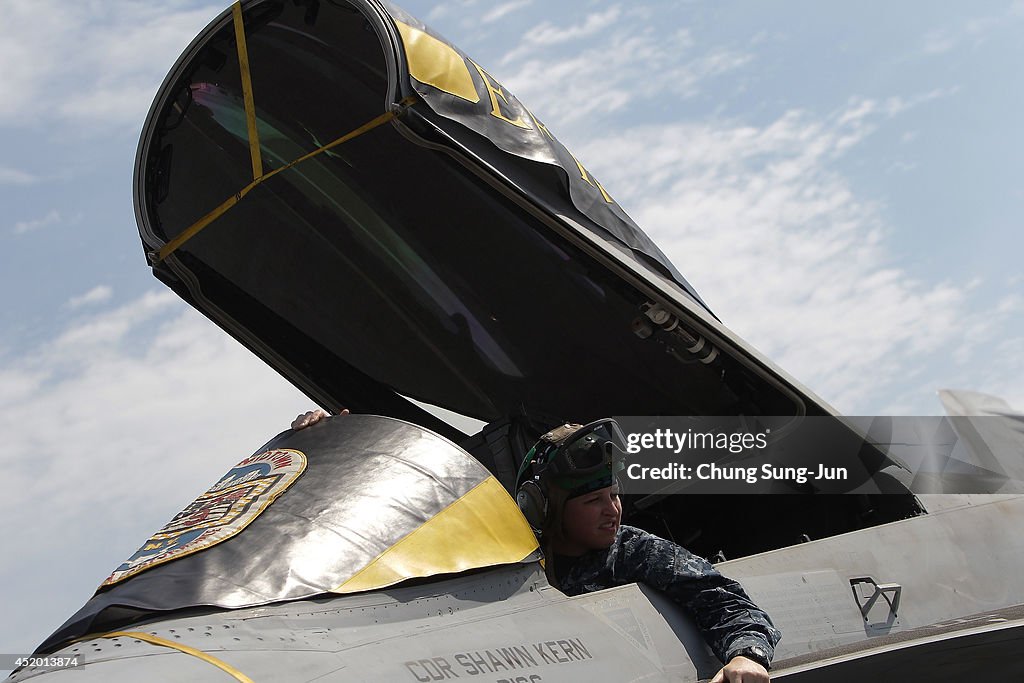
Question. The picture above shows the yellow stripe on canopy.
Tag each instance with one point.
(436, 63)
(481, 529)
(250, 105)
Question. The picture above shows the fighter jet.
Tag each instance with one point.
(378, 218)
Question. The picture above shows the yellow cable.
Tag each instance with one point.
(190, 232)
(238, 675)
(250, 106)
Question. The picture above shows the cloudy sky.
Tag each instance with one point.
(841, 185)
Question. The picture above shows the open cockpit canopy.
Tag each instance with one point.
(448, 248)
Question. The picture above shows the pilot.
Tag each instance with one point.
(567, 492)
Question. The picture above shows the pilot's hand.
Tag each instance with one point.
(312, 417)
(741, 670)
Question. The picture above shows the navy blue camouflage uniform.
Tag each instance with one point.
(729, 620)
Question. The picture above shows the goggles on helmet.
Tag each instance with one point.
(581, 458)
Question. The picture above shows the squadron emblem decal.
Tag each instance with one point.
(220, 513)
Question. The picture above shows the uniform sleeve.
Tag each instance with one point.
(725, 614)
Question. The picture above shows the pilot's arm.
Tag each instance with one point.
(738, 631)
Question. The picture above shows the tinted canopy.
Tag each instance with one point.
(446, 249)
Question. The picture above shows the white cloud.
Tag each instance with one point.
(97, 294)
(504, 10)
(896, 104)
(546, 34)
(715, 63)
(1010, 304)
(974, 31)
(1000, 371)
(12, 176)
(110, 428)
(106, 331)
(90, 62)
(980, 26)
(1005, 377)
(51, 218)
(612, 75)
(450, 7)
(549, 34)
(938, 41)
(900, 166)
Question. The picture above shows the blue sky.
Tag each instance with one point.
(840, 183)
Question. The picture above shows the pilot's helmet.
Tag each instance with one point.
(576, 458)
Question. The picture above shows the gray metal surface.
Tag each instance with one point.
(491, 626)
(950, 564)
(508, 624)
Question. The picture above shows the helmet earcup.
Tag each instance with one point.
(533, 503)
